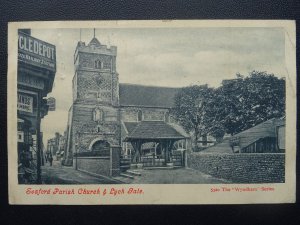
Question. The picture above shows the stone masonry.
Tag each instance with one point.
(241, 168)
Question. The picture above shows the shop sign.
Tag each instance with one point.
(36, 52)
(25, 103)
(31, 81)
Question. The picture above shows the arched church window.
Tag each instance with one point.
(140, 115)
(98, 64)
(98, 115)
(167, 117)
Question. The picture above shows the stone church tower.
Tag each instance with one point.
(94, 121)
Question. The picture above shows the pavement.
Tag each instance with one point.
(58, 174)
(175, 176)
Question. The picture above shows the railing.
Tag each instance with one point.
(177, 159)
(152, 161)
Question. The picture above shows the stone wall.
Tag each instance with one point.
(94, 165)
(101, 165)
(241, 168)
(85, 129)
(87, 60)
(93, 85)
(84, 113)
(130, 114)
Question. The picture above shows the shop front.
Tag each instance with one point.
(35, 77)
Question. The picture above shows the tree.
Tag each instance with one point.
(191, 109)
(248, 101)
(236, 105)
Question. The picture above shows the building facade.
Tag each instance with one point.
(104, 112)
(56, 146)
(36, 72)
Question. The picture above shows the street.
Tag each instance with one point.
(58, 174)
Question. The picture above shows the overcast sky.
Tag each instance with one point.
(173, 57)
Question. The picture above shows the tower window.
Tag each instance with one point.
(98, 115)
(98, 64)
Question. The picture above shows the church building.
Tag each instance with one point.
(106, 113)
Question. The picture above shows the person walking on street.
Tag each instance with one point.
(50, 159)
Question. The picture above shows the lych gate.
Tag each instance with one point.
(164, 146)
(163, 136)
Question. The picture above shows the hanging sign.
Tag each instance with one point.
(51, 102)
(25, 103)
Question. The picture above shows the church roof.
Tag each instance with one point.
(153, 130)
(95, 42)
(149, 96)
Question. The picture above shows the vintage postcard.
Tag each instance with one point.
(152, 112)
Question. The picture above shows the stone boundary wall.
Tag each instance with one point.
(96, 165)
(108, 166)
(241, 168)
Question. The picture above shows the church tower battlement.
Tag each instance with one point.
(95, 79)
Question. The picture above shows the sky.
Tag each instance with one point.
(174, 57)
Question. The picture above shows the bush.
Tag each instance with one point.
(198, 149)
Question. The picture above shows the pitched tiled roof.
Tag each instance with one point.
(140, 95)
(180, 130)
(151, 130)
(249, 136)
(95, 42)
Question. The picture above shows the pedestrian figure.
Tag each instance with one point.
(50, 159)
(25, 164)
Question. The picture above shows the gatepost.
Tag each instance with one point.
(115, 158)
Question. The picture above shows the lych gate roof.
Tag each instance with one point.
(180, 130)
(152, 130)
(139, 95)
